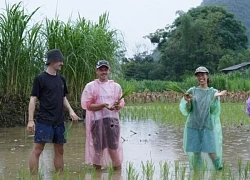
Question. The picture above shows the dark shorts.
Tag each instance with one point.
(105, 134)
(49, 134)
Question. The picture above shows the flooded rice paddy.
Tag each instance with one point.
(144, 142)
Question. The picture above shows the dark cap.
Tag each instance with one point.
(54, 55)
(102, 63)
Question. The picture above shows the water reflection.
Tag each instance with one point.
(143, 140)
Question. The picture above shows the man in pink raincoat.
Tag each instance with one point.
(100, 99)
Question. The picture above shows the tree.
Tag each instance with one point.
(201, 36)
(142, 66)
(241, 9)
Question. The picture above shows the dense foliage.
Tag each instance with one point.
(241, 9)
(207, 36)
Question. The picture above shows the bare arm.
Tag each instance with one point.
(97, 107)
(72, 113)
(32, 106)
(67, 105)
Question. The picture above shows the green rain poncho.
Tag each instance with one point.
(202, 134)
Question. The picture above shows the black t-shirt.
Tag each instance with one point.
(50, 90)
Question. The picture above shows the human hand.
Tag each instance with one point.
(31, 126)
(187, 97)
(117, 105)
(219, 93)
(73, 116)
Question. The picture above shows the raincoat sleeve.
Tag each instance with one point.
(248, 106)
(215, 105)
(87, 97)
(122, 103)
(184, 108)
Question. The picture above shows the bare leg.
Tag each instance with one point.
(213, 156)
(115, 159)
(197, 161)
(216, 161)
(34, 157)
(58, 159)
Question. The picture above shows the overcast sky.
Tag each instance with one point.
(133, 18)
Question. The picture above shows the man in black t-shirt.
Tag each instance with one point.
(50, 89)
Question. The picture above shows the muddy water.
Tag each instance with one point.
(142, 141)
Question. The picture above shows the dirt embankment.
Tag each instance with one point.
(14, 111)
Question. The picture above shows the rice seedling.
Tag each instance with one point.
(65, 175)
(173, 86)
(240, 166)
(127, 92)
(68, 130)
(232, 114)
(110, 171)
(93, 173)
(148, 170)
(183, 173)
(131, 172)
(23, 174)
(176, 168)
(246, 170)
(164, 170)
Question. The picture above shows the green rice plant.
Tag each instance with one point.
(85, 169)
(131, 172)
(164, 170)
(240, 166)
(232, 114)
(68, 130)
(173, 86)
(148, 170)
(176, 168)
(110, 172)
(246, 170)
(204, 167)
(23, 174)
(183, 173)
(66, 175)
(127, 92)
(93, 173)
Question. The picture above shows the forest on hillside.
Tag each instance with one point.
(240, 8)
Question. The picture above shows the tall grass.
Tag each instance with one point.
(83, 43)
(21, 50)
(23, 46)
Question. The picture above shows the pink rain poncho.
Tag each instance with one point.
(103, 142)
